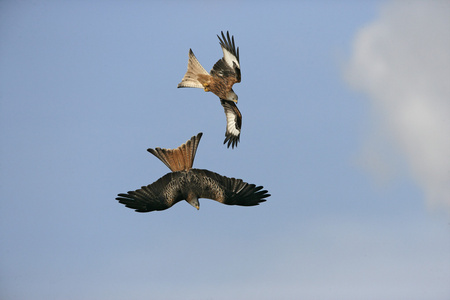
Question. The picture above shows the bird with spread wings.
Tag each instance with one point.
(224, 74)
(186, 183)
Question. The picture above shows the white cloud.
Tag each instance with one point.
(402, 61)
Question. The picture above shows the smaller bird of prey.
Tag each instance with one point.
(186, 183)
(225, 73)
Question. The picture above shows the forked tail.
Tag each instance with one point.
(181, 158)
(194, 69)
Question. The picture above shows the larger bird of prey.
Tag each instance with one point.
(225, 73)
(186, 183)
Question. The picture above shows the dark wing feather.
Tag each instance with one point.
(229, 45)
(230, 191)
(229, 65)
(160, 195)
(234, 123)
(221, 69)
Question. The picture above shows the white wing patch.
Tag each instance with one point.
(231, 123)
(234, 122)
(230, 58)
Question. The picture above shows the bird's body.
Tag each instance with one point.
(186, 183)
(221, 87)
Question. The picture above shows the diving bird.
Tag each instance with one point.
(224, 74)
(186, 183)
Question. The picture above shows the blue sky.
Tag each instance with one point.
(359, 206)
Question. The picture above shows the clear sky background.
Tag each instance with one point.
(346, 121)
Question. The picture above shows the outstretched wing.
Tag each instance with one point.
(160, 195)
(234, 123)
(228, 66)
(227, 190)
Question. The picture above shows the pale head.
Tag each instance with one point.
(193, 200)
(231, 96)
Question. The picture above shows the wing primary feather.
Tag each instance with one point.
(230, 54)
(160, 195)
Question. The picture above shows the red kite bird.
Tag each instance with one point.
(219, 81)
(185, 183)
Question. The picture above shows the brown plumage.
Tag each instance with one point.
(224, 74)
(185, 183)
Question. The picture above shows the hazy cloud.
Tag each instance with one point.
(402, 61)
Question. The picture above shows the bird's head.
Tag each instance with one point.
(193, 200)
(231, 96)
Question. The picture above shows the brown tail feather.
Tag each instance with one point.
(194, 69)
(181, 158)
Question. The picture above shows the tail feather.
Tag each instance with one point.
(181, 158)
(194, 69)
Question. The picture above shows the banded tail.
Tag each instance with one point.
(181, 158)
(194, 69)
